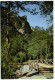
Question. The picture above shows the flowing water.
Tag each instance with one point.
(38, 76)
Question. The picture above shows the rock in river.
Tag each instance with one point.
(30, 71)
(20, 73)
(25, 68)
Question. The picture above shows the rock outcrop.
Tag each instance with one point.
(23, 26)
(26, 70)
(20, 73)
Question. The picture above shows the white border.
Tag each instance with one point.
(0, 40)
(53, 38)
(27, 0)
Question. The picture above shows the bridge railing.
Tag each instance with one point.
(45, 61)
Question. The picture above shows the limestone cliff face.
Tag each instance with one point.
(32, 28)
(23, 25)
(21, 31)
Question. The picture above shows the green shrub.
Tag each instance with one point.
(15, 58)
(22, 56)
(6, 70)
(50, 55)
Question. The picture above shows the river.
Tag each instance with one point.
(38, 76)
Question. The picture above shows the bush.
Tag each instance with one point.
(15, 58)
(50, 55)
(22, 56)
(6, 70)
(4, 51)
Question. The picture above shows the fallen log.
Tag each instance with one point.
(31, 73)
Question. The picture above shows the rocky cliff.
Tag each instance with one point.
(22, 25)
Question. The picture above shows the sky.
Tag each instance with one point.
(35, 20)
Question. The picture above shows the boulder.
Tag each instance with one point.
(25, 68)
(20, 73)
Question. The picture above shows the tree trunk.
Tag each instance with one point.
(48, 48)
(46, 51)
(41, 51)
(8, 22)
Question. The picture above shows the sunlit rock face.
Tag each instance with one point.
(32, 28)
(21, 31)
(27, 68)
(24, 25)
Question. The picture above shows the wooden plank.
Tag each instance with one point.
(45, 65)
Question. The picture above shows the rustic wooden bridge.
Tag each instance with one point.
(43, 66)
(40, 65)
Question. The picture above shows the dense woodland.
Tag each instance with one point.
(21, 42)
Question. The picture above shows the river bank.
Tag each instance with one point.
(29, 70)
(38, 76)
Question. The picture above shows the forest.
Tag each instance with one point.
(21, 42)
